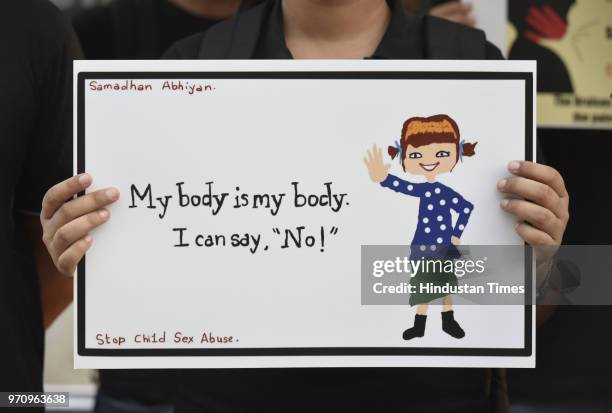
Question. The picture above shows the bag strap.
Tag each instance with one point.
(446, 40)
(235, 38)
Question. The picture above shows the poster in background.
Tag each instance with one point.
(245, 204)
(572, 42)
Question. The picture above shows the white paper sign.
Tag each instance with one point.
(245, 203)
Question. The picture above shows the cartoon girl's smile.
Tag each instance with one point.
(429, 166)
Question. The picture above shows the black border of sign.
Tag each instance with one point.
(526, 351)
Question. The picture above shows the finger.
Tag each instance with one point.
(539, 217)
(552, 15)
(446, 9)
(460, 9)
(60, 193)
(534, 236)
(464, 19)
(81, 206)
(467, 6)
(68, 261)
(537, 192)
(369, 156)
(533, 36)
(536, 18)
(76, 229)
(387, 167)
(536, 29)
(541, 173)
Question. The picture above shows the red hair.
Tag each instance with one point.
(419, 131)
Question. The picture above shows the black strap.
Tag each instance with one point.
(446, 40)
(136, 29)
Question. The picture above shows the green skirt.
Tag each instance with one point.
(434, 276)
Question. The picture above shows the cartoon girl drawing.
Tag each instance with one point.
(429, 147)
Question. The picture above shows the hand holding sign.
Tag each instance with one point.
(66, 223)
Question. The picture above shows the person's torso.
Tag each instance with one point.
(276, 390)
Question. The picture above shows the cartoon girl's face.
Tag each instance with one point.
(430, 160)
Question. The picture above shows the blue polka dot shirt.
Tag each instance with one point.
(435, 227)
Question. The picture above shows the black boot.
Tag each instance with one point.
(418, 329)
(450, 326)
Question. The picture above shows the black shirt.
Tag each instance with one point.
(134, 29)
(403, 39)
(36, 51)
(371, 389)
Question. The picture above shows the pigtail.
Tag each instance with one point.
(393, 151)
(468, 149)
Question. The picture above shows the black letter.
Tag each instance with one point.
(181, 243)
(147, 192)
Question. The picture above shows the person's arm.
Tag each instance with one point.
(546, 176)
(49, 156)
(464, 209)
(402, 186)
(56, 289)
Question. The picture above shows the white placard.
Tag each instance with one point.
(279, 285)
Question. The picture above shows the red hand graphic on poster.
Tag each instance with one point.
(545, 23)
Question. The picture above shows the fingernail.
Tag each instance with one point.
(514, 166)
(85, 179)
(112, 193)
(88, 239)
(517, 225)
(104, 214)
(501, 184)
(504, 203)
